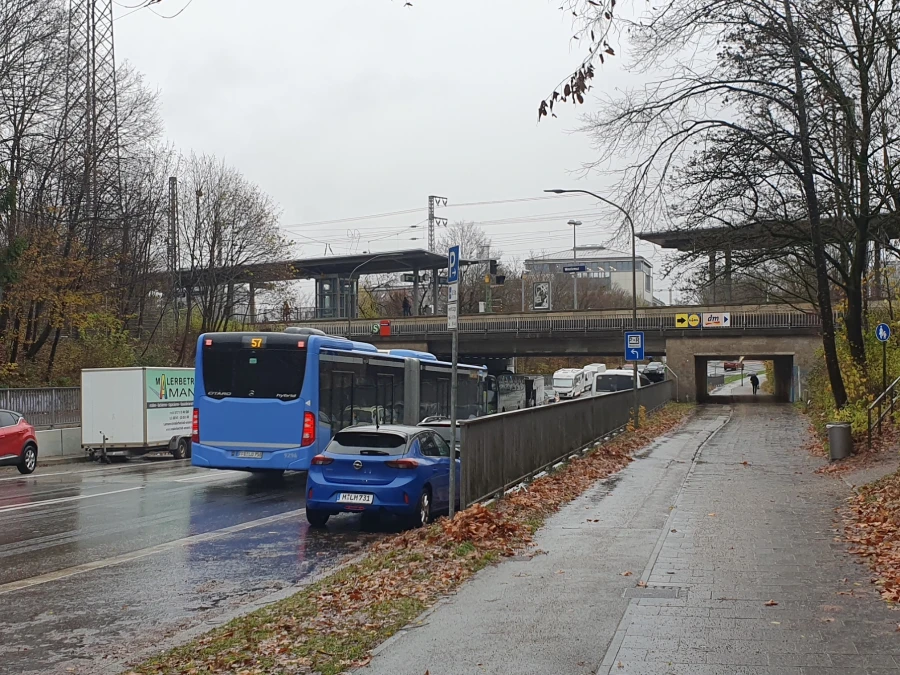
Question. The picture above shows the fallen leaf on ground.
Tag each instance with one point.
(711, 515)
(771, 603)
(626, 573)
(642, 584)
(745, 463)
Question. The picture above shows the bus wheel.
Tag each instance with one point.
(316, 518)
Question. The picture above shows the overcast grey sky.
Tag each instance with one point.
(347, 108)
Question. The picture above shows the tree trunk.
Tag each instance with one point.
(823, 285)
(52, 358)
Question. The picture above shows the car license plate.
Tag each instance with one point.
(246, 454)
(354, 498)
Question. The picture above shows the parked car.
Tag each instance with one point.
(392, 469)
(655, 371)
(18, 442)
(732, 365)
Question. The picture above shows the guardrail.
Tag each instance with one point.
(649, 319)
(885, 406)
(45, 407)
(500, 451)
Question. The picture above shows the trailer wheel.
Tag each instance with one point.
(182, 449)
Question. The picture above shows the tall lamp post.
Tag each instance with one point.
(574, 224)
(633, 281)
(355, 269)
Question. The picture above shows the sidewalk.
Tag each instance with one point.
(712, 538)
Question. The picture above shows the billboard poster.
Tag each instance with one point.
(170, 402)
(541, 301)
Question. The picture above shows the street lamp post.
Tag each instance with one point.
(633, 283)
(574, 224)
(355, 269)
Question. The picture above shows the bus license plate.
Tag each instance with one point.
(354, 498)
(246, 454)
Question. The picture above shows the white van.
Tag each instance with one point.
(569, 382)
(590, 370)
(611, 381)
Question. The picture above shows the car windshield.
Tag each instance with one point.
(562, 382)
(613, 382)
(367, 443)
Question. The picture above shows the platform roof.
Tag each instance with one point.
(390, 262)
(768, 234)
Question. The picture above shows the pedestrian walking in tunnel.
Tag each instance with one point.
(754, 382)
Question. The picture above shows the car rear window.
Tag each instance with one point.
(367, 443)
(614, 382)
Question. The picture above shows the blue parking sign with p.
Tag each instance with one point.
(453, 265)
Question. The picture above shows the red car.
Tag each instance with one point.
(733, 365)
(18, 443)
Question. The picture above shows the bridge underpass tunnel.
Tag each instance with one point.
(718, 378)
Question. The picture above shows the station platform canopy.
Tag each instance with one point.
(764, 234)
(337, 266)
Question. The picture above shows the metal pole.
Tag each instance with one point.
(884, 366)
(453, 388)
(634, 384)
(523, 293)
(574, 262)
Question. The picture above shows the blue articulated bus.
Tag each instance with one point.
(272, 401)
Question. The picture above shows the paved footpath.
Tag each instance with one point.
(709, 541)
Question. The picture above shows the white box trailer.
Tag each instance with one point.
(127, 412)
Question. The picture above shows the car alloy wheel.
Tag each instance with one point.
(29, 460)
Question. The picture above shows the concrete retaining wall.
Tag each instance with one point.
(59, 442)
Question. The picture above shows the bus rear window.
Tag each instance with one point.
(232, 371)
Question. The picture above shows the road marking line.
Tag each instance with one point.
(170, 465)
(59, 500)
(144, 552)
(214, 476)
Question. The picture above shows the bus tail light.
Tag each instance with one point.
(195, 427)
(309, 429)
(402, 464)
(321, 460)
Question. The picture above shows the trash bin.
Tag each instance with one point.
(840, 442)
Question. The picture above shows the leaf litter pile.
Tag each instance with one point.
(873, 529)
(330, 626)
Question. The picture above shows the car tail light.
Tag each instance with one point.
(402, 464)
(195, 427)
(309, 496)
(309, 429)
(321, 460)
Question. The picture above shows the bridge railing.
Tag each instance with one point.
(500, 451)
(653, 319)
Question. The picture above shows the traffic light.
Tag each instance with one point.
(493, 267)
(500, 279)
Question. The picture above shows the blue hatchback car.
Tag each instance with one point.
(392, 469)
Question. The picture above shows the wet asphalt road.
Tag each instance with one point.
(100, 562)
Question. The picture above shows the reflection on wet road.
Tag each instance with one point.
(98, 563)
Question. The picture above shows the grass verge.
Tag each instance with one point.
(332, 625)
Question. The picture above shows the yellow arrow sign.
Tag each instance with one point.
(681, 320)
